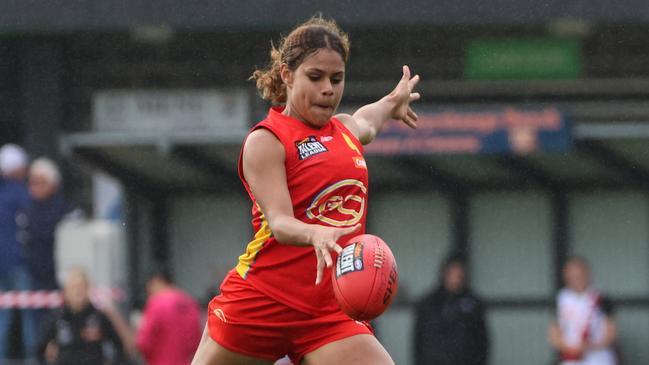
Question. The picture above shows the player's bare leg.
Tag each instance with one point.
(354, 350)
(211, 353)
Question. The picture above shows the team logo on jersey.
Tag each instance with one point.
(310, 146)
(340, 205)
(350, 260)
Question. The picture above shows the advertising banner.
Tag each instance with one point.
(502, 130)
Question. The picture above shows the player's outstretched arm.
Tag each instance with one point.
(368, 120)
(264, 171)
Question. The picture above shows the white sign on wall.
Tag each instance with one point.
(169, 111)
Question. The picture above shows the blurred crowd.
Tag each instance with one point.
(451, 328)
(450, 321)
(31, 206)
(77, 330)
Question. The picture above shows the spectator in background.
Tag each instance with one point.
(171, 325)
(450, 327)
(44, 212)
(584, 331)
(13, 271)
(37, 224)
(79, 333)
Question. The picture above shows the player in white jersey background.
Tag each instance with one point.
(584, 330)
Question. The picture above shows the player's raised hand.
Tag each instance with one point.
(324, 240)
(402, 96)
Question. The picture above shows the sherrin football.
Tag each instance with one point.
(365, 278)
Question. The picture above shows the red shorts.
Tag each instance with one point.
(248, 322)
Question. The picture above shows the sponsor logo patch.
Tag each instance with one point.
(359, 162)
(350, 260)
(310, 146)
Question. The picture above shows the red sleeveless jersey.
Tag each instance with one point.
(327, 180)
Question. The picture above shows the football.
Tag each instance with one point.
(365, 278)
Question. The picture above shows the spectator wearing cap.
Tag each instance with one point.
(14, 275)
(13, 162)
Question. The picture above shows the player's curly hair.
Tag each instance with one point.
(307, 38)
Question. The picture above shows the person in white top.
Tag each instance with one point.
(584, 331)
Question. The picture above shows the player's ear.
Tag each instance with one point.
(286, 74)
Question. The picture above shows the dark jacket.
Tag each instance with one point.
(13, 198)
(450, 329)
(38, 225)
(84, 338)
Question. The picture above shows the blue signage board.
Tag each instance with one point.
(503, 130)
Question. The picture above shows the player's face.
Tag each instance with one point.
(315, 88)
(576, 276)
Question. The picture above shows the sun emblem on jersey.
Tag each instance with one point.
(341, 204)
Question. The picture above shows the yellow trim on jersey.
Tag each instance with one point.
(253, 247)
(351, 144)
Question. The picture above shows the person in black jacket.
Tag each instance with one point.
(450, 328)
(39, 220)
(79, 333)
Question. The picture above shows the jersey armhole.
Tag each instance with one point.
(271, 130)
(243, 146)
